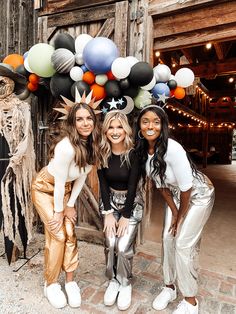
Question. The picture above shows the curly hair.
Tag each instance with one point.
(86, 151)
(105, 150)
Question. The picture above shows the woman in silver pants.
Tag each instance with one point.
(189, 195)
(121, 205)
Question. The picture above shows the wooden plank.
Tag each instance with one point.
(81, 16)
(194, 20)
(89, 235)
(196, 38)
(222, 49)
(57, 6)
(211, 69)
(107, 28)
(164, 7)
(121, 27)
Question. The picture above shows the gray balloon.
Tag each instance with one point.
(63, 60)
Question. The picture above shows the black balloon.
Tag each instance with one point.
(172, 84)
(141, 74)
(60, 85)
(64, 40)
(132, 91)
(124, 83)
(22, 70)
(81, 87)
(112, 89)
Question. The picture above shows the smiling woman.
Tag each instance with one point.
(54, 193)
(189, 197)
(121, 205)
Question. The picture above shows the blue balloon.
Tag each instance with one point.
(99, 53)
(84, 68)
(160, 89)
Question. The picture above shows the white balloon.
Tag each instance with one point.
(132, 60)
(81, 41)
(101, 79)
(79, 58)
(120, 68)
(150, 85)
(76, 74)
(184, 77)
(162, 73)
(26, 65)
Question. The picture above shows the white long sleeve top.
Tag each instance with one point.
(178, 170)
(64, 169)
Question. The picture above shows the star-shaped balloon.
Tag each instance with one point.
(104, 110)
(162, 97)
(112, 103)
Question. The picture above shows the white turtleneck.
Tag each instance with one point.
(64, 169)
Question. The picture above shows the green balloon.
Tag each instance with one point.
(39, 58)
(143, 99)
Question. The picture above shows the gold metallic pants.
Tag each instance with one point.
(61, 250)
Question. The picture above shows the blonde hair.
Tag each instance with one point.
(105, 146)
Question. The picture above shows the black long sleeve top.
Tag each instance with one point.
(119, 176)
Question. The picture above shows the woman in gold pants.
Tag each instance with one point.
(54, 193)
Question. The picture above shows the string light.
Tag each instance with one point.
(208, 46)
(157, 54)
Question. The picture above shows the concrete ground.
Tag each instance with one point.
(21, 291)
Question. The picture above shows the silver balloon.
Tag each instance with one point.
(63, 60)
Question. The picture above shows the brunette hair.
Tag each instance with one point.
(86, 151)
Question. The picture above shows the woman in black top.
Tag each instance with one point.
(121, 205)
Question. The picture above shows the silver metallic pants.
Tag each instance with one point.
(119, 252)
(180, 253)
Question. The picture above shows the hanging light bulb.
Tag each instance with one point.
(208, 46)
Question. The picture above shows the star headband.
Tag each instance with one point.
(78, 99)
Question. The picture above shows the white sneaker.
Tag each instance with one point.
(185, 307)
(55, 295)
(111, 292)
(124, 298)
(166, 296)
(73, 294)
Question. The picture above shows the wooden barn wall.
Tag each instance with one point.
(17, 25)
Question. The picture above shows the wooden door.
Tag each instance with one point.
(109, 20)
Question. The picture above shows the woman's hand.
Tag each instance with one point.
(56, 222)
(71, 214)
(110, 224)
(173, 226)
(123, 225)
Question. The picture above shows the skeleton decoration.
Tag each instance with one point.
(15, 127)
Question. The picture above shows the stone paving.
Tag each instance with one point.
(21, 292)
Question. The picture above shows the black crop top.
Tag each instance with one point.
(120, 177)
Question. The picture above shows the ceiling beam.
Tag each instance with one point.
(196, 38)
(222, 49)
(211, 69)
(164, 7)
(203, 18)
(188, 53)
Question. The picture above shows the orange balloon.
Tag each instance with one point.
(179, 93)
(33, 78)
(88, 77)
(98, 91)
(14, 60)
(110, 76)
(32, 87)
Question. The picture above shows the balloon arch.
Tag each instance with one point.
(88, 63)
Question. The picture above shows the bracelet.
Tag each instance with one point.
(107, 212)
